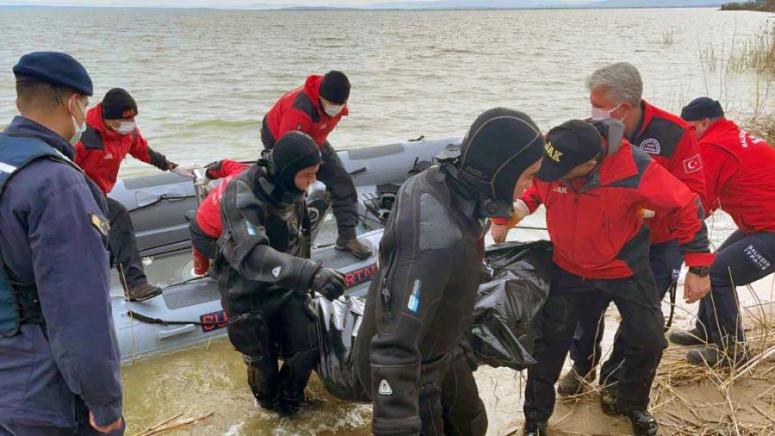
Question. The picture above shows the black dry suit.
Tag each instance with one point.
(264, 272)
(409, 350)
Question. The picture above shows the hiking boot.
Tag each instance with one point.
(534, 428)
(712, 356)
(643, 424)
(142, 292)
(689, 338)
(354, 246)
(609, 401)
(572, 383)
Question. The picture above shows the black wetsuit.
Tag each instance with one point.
(263, 275)
(408, 350)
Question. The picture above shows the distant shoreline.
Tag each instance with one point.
(354, 9)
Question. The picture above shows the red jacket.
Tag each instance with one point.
(740, 176)
(101, 150)
(596, 225)
(208, 216)
(671, 142)
(300, 110)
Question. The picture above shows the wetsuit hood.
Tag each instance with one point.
(294, 152)
(500, 145)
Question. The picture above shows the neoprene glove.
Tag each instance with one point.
(329, 283)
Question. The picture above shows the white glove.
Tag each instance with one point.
(187, 170)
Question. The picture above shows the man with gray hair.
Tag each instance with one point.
(615, 91)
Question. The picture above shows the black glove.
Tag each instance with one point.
(328, 282)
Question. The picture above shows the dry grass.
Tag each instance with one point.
(699, 400)
(756, 54)
(667, 37)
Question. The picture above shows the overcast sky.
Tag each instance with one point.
(206, 3)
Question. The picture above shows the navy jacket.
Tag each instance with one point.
(47, 236)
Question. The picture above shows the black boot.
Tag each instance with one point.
(609, 401)
(534, 428)
(733, 354)
(573, 383)
(643, 424)
(691, 337)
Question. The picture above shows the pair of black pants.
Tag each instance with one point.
(283, 327)
(665, 260)
(742, 259)
(123, 246)
(338, 182)
(203, 243)
(641, 334)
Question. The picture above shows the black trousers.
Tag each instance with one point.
(205, 244)
(742, 259)
(665, 260)
(641, 333)
(281, 326)
(338, 182)
(123, 246)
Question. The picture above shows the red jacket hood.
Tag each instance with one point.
(619, 165)
(312, 89)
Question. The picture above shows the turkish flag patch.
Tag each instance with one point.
(693, 164)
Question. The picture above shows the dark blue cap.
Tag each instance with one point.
(701, 108)
(55, 68)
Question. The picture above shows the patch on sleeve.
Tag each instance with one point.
(250, 228)
(693, 164)
(101, 224)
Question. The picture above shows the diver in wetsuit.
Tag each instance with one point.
(265, 274)
(420, 303)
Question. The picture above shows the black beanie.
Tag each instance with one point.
(291, 154)
(118, 105)
(701, 108)
(335, 87)
(497, 149)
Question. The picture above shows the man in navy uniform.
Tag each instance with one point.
(59, 358)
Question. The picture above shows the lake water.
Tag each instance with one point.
(203, 80)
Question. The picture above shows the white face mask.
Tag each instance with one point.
(76, 128)
(599, 114)
(333, 109)
(126, 127)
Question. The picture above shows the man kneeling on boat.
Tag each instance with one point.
(110, 135)
(207, 227)
(265, 274)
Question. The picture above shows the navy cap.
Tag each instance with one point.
(701, 108)
(56, 68)
(569, 145)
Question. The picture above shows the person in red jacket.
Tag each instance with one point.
(740, 181)
(615, 91)
(206, 228)
(594, 190)
(110, 135)
(315, 109)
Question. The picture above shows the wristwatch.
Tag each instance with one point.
(702, 271)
